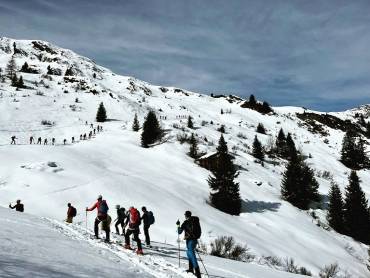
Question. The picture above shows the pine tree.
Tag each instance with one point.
(361, 158)
(222, 129)
(266, 108)
(50, 71)
(25, 67)
(258, 151)
(151, 130)
(224, 194)
(11, 68)
(69, 72)
(20, 83)
(299, 186)
(281, 145)
(348, 153)
(135, 124)
(222, 111)
(368, 130)
(193, 150)
(15, 80)
(356, 211)
(335, 209)
(101, 115)
(261, 129)
(291, 150)
(252, 100)
(190, 122)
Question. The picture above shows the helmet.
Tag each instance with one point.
(118, 206)
(100, 197)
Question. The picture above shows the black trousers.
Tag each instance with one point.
(96, 227)
(146, 233)
(122, 223)
(136, 237)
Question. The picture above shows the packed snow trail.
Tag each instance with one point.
(41, 247)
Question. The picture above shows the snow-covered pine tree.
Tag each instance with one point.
(224, 194)
(190, 122)
(101, 115)
(135, 124)
(261, 129)
(222, 129)
(356, 210)
(257, 150)
(193, 150)
(11, 68)
(335, 208)
(151, 130)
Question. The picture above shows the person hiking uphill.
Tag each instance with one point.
(121, 216)
(102, 207)
(148, 219)
(18, 206)
(192, 229)
(133, 221)
(71, 212)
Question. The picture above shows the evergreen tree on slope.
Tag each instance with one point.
(356, 211)
(101, 115)
(335, 209)
(224, 194)
(151, 130)
(136, 124)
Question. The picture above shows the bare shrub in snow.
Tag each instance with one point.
(225, 247)
(329, 271)
(47, 122)
(241, 135)
(182, 138)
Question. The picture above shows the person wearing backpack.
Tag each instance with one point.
(133, 221)
(148, 219)
(71, 212)
(192, 229)
(121, 216)
(18, 206)
(102, 207)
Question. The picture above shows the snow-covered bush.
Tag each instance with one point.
(329, 271)
(225, 247)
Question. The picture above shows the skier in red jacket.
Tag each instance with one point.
(102, 207)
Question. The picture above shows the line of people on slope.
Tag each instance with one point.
(84, 136)
(131, 218)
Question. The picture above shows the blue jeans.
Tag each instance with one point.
(190, 252)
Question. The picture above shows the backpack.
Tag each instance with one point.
(103, 209)
(135, 220)
(151, 218)
(21, 208)
(73, 211)
(194, 229)
(121, 214)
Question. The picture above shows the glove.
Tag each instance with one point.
(178, 223)
(87, 209)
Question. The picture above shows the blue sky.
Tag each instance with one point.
(303, 53)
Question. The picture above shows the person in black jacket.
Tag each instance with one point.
(145, 219)
(18, 206)
(121, 216)
(192, 234)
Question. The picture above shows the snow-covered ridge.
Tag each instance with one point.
(163, 178)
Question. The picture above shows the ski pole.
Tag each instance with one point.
(200, 258)
(178, 241)
(86, 221)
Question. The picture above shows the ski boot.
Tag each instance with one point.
(127, 246)
(139, 252)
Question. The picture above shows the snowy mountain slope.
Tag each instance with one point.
(163, 178)
(35, 247)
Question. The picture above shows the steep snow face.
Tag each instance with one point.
(163, 178)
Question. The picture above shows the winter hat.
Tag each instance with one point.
(187, 214)
(118, 206)
(100, 197)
